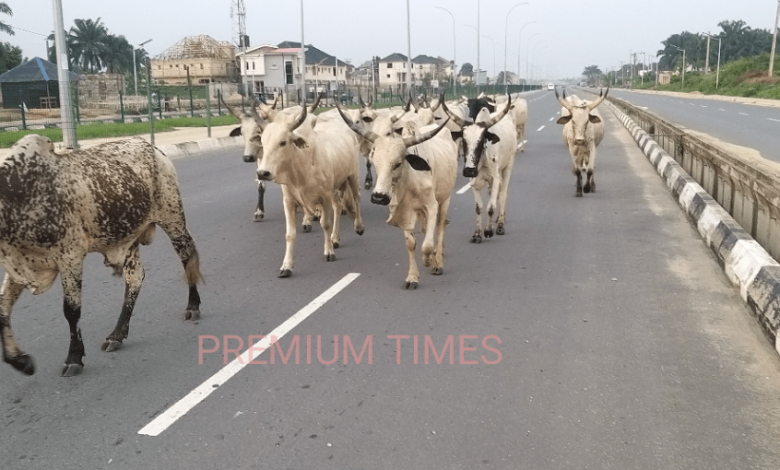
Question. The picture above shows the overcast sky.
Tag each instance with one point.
(564, 38)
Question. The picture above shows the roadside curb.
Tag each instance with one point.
(199, 146)
(745, 262)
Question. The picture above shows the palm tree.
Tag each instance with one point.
(88, 44)
(4, 8)
(592, 72)
(118, 56)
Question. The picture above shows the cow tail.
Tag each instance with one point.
(192, 269)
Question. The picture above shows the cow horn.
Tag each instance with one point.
(598, 101)
(316, 103)
(229, 108)
(414, 102)
(492, 122)
(458, 121)
(365, 133)
(418, 139)
(371, 101)
(438, 103)
(400, 114)
(563, 102)
(360, 100)
(299, 121)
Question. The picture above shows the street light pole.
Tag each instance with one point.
(454, 54)
(528, 51)
(63, 77)
(519, 37)
(506, 27)
(409, 47)
(135, 72)
(717, 74)
(774, 41)
(494, 52)
(682, 86)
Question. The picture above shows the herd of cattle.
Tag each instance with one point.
(56, 208)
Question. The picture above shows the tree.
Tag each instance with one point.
(10, 57)
(118, 55)
(467, 70)
(88, 44)
(593, 73)
(4, 8)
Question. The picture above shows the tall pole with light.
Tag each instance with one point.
(506, 29)
(533, 55)
(408, 48)
(528, 52)
(454, 53)
(717, 74)
(135, 71)
(63, 77)
(303, 63)
(774, 41)
(682, 86)
(494, 53)
(519, 36)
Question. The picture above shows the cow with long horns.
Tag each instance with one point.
(488, 145)
(415, 177)
(583, 130)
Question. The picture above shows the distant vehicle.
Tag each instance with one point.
(550, 86)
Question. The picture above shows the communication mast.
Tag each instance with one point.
(240, 39)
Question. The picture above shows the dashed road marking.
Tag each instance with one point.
(180, 408)
(537, 130)
(464, 189)
(745, 114)
(720, 109)
(702, 106)
(776, 120)
(552, 118)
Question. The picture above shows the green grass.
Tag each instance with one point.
(100, 130)
(733, 80)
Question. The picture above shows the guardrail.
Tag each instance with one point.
(747, 188)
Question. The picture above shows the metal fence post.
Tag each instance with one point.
(160, 102)
(208, 111)
(219, 104)
(149, 100)
(24, 121)
(121, 107)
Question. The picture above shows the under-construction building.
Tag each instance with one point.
(208, 61)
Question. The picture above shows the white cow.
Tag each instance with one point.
(312, 166)
(415, 178)
(519, 115)
(583, 131)
(57, 208)
(489, 146)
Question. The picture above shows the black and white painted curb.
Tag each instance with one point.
(199, 146)
(745, 262)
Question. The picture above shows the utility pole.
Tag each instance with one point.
(408, 47)
(774, 41)
(63, 77)
(303, 64)
(707, 58)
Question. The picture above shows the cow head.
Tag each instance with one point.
(391, 156)
(476, 104)
(477, 136)
(382, 125)
(579, 115)
(281, 143)
(250, 129)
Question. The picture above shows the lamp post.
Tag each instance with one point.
(682, 85)
(135, 72)
(494, 52)
(533, 55)
(519, 36)
(475, 29)
(528, 51)
(644, 61)
(454, 53)
(506, 27)
(717, 73)
(774, 41)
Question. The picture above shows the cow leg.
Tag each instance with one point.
(353, 194)
(591, 182)
(330, 214)
(413, 275)
(71, 288)
(308, 219)
(134, 277)
(20, 361)
(503, 192)
(369, 178)
(260, 210)
(521, 136)
(441, 227)
(495, 185)
(578, 174)
(431, 221)
(477, 237)
(337, 203)
(290, 209)
(184, 246)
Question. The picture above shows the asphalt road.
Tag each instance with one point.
(622, 344)
(740, 124)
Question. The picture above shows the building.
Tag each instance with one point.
(426, 71)
(393, 71)
(432, 68)
(207, 59)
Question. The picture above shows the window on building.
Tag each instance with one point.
(253, 65)
(389, 65)
(201, 66)
(288, 72)
(388, 75)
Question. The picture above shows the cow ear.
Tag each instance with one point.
(235, 132)
(594, 119)
(417, 162)
(399, 130)
(300, 142)
(456, 135)
(493, 138)
(563, 119)
(368, 119)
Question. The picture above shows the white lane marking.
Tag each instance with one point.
(552, 118)
(521, 143)
(745, 114)
(719, 109)
(180, 408)
(776, 120)
(464, 189)
(537, 130)
(702, 106)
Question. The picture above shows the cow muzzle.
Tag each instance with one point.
(381, 199)
(264, 175)
(579, 141)
(470, 172)
(250, 158)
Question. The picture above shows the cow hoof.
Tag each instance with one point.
(330, 257)
(110, 345)
(586, 188)
(335, 245)
(191, 314)
(24, 364)
(579, 194)
(343, 212)
(368, 184)
(258, 216)
(72, 370)
(500, 230)
(285, 273)
(410, 285)
(306, 228)
(360, 230)
(488, 234)
(437, 271)
(476, 239)
(316, 218)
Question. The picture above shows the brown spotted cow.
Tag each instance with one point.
(56, 208)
